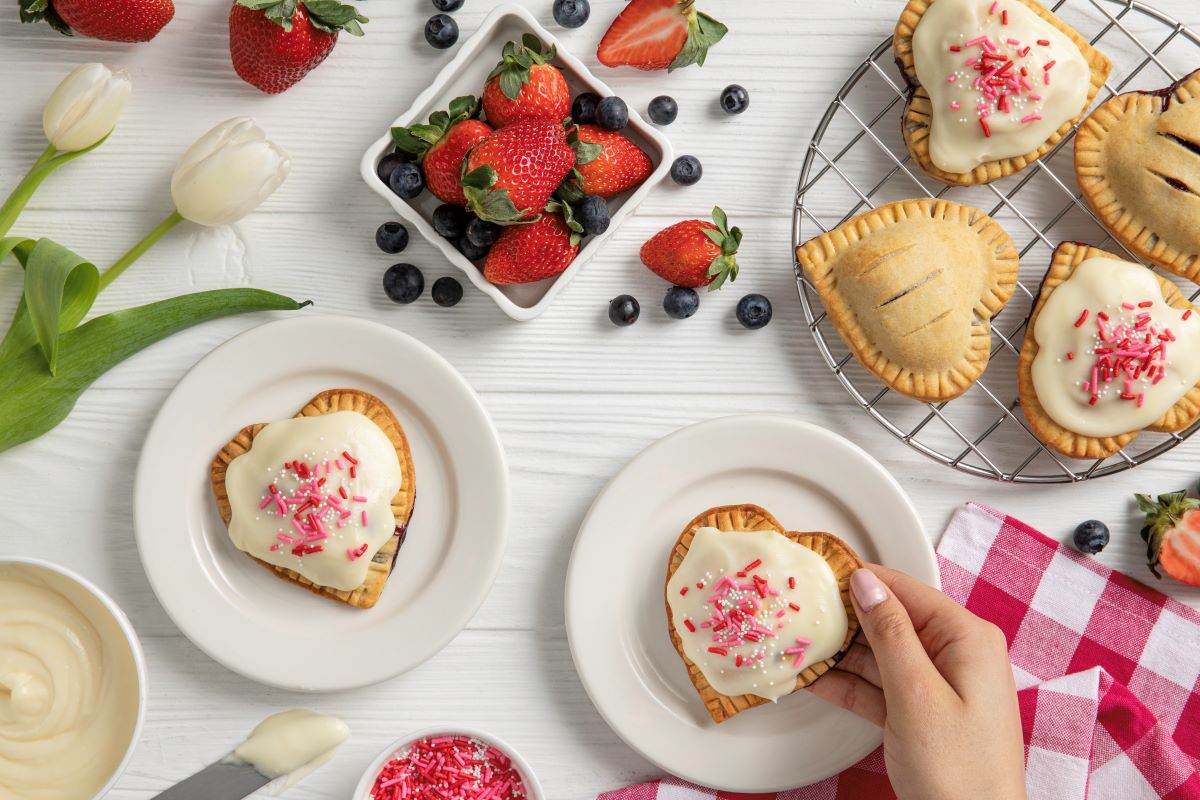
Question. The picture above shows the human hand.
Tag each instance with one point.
(938, 680)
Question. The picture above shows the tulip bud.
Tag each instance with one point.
(227, 173)
(85, 106)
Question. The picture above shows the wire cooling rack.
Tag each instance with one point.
(857, 160)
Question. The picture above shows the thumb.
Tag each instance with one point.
(902, 659)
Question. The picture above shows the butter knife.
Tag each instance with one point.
(219, 781)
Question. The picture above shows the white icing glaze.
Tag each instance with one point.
(1063, 384)
(958, 142)
(291, 745)
(319, 442)
(821, 618)
(68, 688)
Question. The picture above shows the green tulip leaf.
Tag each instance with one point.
(33, 401)
(60, 288)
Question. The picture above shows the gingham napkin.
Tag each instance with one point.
(1107, 670)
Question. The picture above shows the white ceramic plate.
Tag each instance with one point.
(466, 74)
(270, 630)
(809, 479)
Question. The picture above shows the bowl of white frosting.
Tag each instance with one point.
(72, 684)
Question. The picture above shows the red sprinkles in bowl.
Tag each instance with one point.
(449, 768)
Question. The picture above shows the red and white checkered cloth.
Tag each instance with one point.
(1107, 670)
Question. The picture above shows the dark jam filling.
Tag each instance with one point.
(402, 530)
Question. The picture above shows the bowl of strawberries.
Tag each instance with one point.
(517, 163)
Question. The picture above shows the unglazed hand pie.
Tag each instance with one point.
(1137, 158)
(757, 612)
(993, 85)
(322, 499)
(911, 287)
(1111, 349)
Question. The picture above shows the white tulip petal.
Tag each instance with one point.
(85, 106)
(228, 173)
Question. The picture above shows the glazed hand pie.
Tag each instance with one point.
(993, 85)
(322, 499)
(911, 287)
(1111, 349)
(1137, 158)
(757, 612)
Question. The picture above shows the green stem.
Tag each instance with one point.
(16, 201)
(139, 249)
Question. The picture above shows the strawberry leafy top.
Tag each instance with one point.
(1162, 515)
(416, 140)
(723, 267)
(329, 16)
(703, 33)
(42, 11)
(516, 63)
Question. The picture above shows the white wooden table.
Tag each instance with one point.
(573, 397)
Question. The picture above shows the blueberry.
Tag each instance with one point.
(449, 222)
(583, 108)
(447, 292)
(473, 252)
(403, 283)
(681, 302)
(482, 233)
(407, 181)
(663, 110)
(392, 237)
(623, 310)
(1091, 537)
(388, 164)
(686, 170)
(571, 13)
(734, 99)
(754, 311)
(441, 31)
(612, 113)
(447, 5)
(592, 214)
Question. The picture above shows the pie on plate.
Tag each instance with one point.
(1111, 349)
(322, 500)
(993, 85)
(1137, 159)
(756, 612)
(911, 288)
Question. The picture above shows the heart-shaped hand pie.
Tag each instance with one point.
(1137, 158)
(993, 85)
(911, 287)
(1111, 349)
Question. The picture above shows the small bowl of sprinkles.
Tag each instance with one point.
(438, 763)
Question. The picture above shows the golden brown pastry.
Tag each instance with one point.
(1137, 158)
(911, 287)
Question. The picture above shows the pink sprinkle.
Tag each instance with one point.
(955, 105)
(780, 613)
(1187, 313)
(274, 547)
(951, 78)
(1128, 306)
(995, 5)
(358, 498)
(266, 502)
(802, 641)
(1030, 118)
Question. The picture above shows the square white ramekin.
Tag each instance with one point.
(466, 74)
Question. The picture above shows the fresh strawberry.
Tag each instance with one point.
(441, 145)
(524, 85)
(275, 43)
(511, 174)
(695, 253)
(659, 34)
(1172, 535)
(531, 252)
(619, 166)
(112, 20)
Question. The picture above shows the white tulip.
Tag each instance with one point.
(228, 173)
(85, 106)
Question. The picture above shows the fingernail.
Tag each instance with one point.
(868, 590)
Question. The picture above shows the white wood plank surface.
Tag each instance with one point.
(573, 397)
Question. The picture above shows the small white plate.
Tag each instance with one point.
(809, 479)
(466, 74)
(270, 630)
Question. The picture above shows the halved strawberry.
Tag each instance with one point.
(1172, 535)
(659, 34)
(441, 146)
(532, 252)
(524, 84)
(619, 166)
